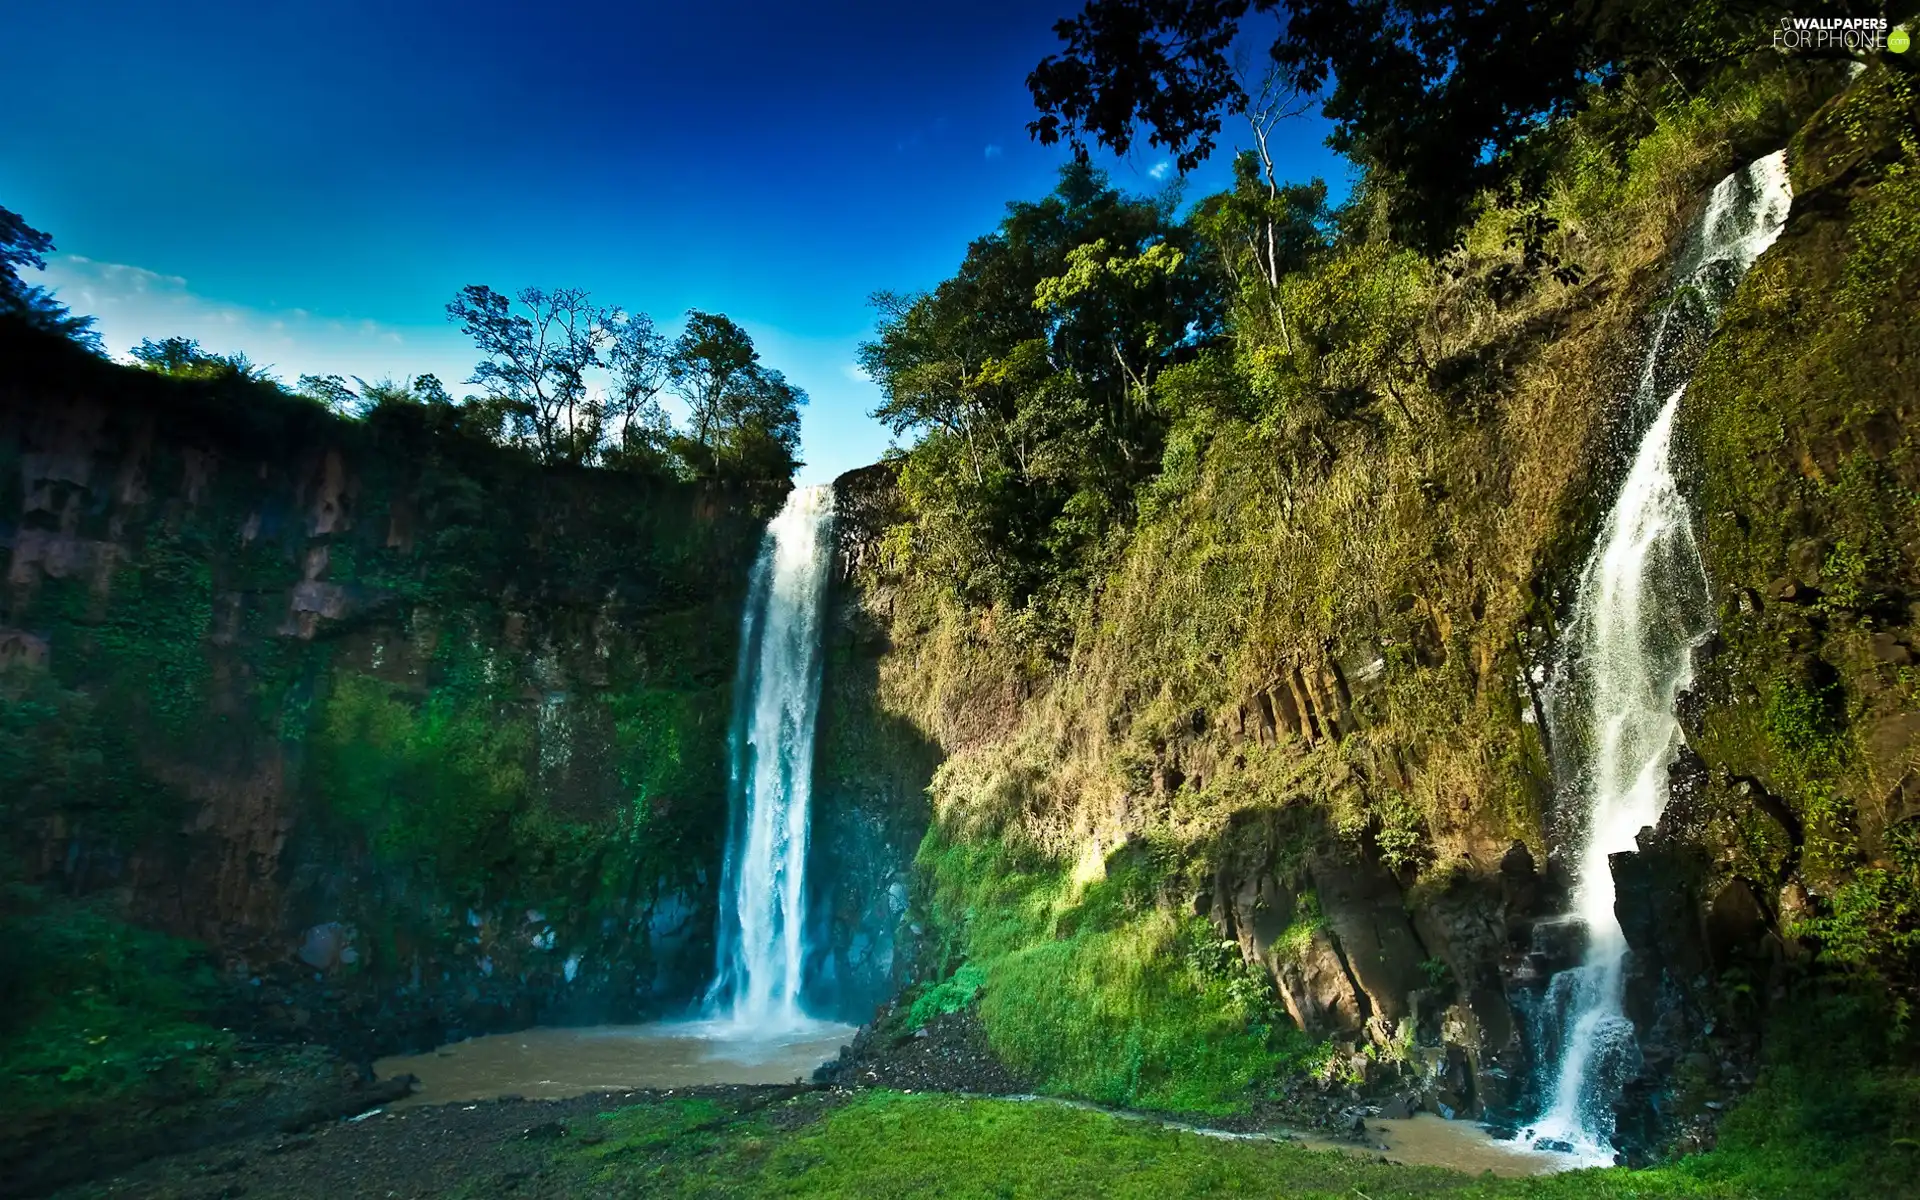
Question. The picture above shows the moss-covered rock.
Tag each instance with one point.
(415, 736)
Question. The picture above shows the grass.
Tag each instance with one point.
(1091, 989)
(889, 1144)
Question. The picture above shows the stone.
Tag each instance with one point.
(1367, 912)
(1736, 924)
(1890, 651)
(1399, 1108)
(1319, 994)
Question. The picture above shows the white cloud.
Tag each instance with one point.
(129, 303)
(855, 373)
(1160, 169)
(994, 150)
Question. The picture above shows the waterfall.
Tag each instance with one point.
(776, 698)
(1641, 609)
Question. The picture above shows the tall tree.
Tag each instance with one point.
(535, 361)
(541, 354)
(23, 246)
(1028, 379)
(744, 417)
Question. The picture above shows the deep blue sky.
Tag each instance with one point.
(311, 182)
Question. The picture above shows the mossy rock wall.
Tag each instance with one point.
(871, 771)
(1800, 425)
(418, 737)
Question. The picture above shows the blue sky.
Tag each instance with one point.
(311, 182)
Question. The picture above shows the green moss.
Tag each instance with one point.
(94, 1011)
(1095, 991)
(948, 996)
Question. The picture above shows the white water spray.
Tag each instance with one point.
(761, 944)
(1641, 610)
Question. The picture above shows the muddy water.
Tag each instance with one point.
(1422, 1140)
(555, 1063)
(1427, 1140)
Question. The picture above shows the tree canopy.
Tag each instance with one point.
(1443, 97)
(541, 353)
(23, 246)
(744, 416)
(1029, 379)
(183, 357)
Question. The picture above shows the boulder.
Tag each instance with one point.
(1367, 913)
(1319, 994)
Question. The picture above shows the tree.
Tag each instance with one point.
(21, 245)
(1028, 379)
(183, 357)
(425, 391)
(744, 420)
(535, 364)
(332, 391)
(640, 433)
(536, 368)
(1443, 96)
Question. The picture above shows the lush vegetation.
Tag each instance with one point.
(95, 1012)
(1368, 467)
(1796, 1138)
(1089, 986)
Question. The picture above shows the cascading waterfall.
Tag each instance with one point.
(776, 698)
(1641, 609)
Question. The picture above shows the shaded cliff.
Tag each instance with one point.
(871, 771)
(416, 737)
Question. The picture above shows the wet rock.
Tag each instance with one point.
(1400, 1108)
(1494, 1090)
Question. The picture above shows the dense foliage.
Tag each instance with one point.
(1032, 379)
(21, 245)
(1446, 101)
(535, 374)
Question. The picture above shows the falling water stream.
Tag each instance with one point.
(761, 946)
(1641, 609)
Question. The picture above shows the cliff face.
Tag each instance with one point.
(870, 777)
(417, 737)
(1302, 714)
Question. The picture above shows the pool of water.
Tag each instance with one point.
(553, 1063)
(1427, 1140)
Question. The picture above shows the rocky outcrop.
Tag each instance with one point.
(1354, 957)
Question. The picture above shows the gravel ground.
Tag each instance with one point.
(949, 1055)
(489, 1149)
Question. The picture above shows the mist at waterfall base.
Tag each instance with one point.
(1641, 609)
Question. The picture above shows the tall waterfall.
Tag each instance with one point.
(1641, 609)
(776, 698)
